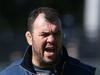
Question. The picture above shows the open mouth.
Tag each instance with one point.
(50, 49)
(50, 53)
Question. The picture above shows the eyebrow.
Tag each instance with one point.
(44, 32)
(51, 32)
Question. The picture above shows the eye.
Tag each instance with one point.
(45, 34)
(57, 33)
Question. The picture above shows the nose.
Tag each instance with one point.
(51, 39)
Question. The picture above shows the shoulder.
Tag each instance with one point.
(12, 69)
(80, 68)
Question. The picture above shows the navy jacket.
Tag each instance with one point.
(67, 66)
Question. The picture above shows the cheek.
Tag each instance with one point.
(59, 42)
(59, 38)
(39, 41)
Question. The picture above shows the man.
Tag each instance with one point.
(46, 54)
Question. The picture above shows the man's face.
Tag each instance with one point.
(46, 40)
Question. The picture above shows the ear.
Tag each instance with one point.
(28, 36)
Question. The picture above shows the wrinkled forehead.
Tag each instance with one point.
(51, 27)
(42, 22)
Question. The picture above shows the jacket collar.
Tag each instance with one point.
(27, 60)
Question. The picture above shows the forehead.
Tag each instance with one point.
(42, 23)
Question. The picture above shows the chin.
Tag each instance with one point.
(49, 61)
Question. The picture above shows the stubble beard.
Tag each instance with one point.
(39, 57)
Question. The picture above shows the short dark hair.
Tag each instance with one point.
(50, 14)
